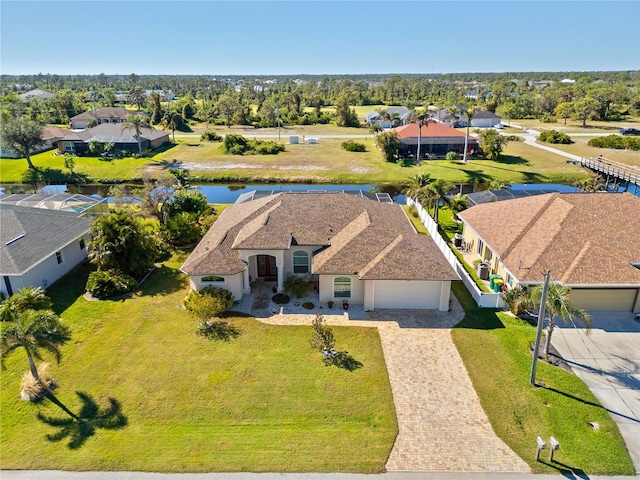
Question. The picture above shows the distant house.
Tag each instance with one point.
(78, 142)
(37, 93)
(50, 136)
(353, 248)
(435, 139)
(589, 241)
(568, 81)
(539, 83)
(401, 117)
(481, 119)
(38, 246)
(167, 96)
(101, 115)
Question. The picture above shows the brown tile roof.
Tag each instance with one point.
(433, 129)
(106, 112)
(359, 236)
(583, 238)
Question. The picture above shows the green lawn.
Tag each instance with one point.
(495, 349)
(575, 126)
(580, 147)
(263, 401)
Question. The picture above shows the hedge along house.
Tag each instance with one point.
(38, 246)
(435, 139)
(78, 142)
(589, 241)
(356, 248)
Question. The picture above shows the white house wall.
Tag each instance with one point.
(288, 257)
(326, 289)
(48, 271)
(233, 283)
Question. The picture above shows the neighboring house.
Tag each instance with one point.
(354, 247)
(401, 114)
(589, 241)
(50, 135)
(568, 81)
(37, 93)
(83, 205)
(481, 119)
(101, 115)
(539, 83)
(169, 95)
(38, 246)
(487, 196)
(436, 139)
(78, 142)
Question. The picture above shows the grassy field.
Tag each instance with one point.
(495, 349)
(263, 401)
(325, 162)
(575, 126)
(580, 147)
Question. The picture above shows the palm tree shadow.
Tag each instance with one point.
(78, 428)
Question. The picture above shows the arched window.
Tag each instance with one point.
(342, 287)
(300, 261)
(213, 279)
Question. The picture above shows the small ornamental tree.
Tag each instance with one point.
(388, 144)
(23, 135)
(492, 143)
(322, 338)
(208, 303)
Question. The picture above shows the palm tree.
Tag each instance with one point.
(453, 111)
(417, 187)
(136, 123)
(172, 121)
(421, 119)
(437, 191)
(498, 184)
(28, 298)
(457, 204)
(469, 113)
(34, 331)
(558, 305)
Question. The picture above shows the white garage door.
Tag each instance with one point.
(605, 300)
(406, 294)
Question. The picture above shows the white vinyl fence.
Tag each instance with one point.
(483, 299)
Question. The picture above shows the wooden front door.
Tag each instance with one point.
(267, 266)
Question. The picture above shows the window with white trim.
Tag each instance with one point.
(342, 287)
(59, 258)
(68, 146)
(300, 261)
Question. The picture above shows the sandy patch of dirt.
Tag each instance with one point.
(248, 166)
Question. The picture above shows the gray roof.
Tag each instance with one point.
(113, 132)
(106, 112)
(401, 111)
(487, 196)
(37, 93)
(356, 235)
(29, 235)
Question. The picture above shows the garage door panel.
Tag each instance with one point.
(604, 300)
(406, 294)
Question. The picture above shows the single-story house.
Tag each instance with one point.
(400, 117)
(38, 246)
(101, 115)
(50, 136)
(78, 142)
(168, 95)
(353, 247)
(37, 93)
(486, 196)
(435, 139)
(481, 118)
(589, 241)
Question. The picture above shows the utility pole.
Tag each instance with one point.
(543, 301)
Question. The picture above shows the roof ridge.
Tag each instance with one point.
(381, 254)
(583, 251)
(341, 239)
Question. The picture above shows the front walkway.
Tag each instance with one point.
(441, 425)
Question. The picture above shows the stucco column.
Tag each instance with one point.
(280, 277)
(444, 295)
(246, 286)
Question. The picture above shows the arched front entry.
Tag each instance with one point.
(264, 266)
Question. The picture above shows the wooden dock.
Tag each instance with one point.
(616, 173)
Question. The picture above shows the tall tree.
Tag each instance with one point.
(564, 110)
(583, 109)
(27, 298)
(469, 113)
(227, 105)
(492, 143)
(172, 121)
(388, 144)
(421, 119)
(417, 187)
(23, 136)
(558, 305)
(437, 191)
(136, 123)
(34, 331)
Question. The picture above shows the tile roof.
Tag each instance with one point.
(106, 112)
(356, 236)
(113, 132)
(583, 238)
(28, 235)
(433, 129)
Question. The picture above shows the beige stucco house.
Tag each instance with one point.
(589, 241)
(356, 248)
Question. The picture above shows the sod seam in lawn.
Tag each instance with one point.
(495, 349)
(261, 402)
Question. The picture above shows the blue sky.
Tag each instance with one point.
(317, 37)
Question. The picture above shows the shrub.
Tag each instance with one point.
(235, 144)
(308, 305)
(208, 302)
(109, 283)
(517, 300)
(351, 146)
(413, 210)
(238, 145)
(265, 147)
(280, 298)
(297, 286)
(553, 136)
(451, 156)
(322, 338)
(548, 119)
(615, 141)
(210, 137)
